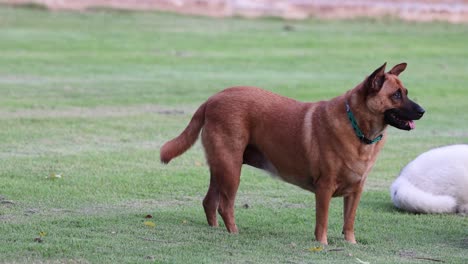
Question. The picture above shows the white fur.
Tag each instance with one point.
(435, 182)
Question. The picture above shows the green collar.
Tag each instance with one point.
(357, 130)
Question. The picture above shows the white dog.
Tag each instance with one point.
(435, 182)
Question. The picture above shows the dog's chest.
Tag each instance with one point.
(348, 182)
(352, 175)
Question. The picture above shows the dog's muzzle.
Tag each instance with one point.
(403, 118)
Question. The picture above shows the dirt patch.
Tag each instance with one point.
(414, 255)
(250, 200)
(455, 11)
(5, 202)
(464, 243)
(155, 204)
(101, 111)
(57, 261)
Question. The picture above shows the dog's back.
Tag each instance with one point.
(435, 182)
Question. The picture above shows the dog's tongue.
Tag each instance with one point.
(411, 124)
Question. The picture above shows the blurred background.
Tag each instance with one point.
(454, 11)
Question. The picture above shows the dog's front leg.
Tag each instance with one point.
(322, 204)
(351, 203)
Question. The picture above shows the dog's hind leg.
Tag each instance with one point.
(211, 203)
(224, 156)
(225, 174)
(228, 190)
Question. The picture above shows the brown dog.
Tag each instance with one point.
(327, 147)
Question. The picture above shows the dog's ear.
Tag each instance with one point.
(397, 69)
(374, 82)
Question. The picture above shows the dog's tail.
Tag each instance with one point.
(186, 139)
(408, 197)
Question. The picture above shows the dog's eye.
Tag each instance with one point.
(397, 95)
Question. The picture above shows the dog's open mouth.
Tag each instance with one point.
(394, 118)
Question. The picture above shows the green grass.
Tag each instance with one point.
(93, 95)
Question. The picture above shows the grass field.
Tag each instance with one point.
(92, 96)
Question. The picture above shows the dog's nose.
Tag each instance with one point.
(420, 111)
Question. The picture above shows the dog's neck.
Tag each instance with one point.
(357, 130)
(371, 127)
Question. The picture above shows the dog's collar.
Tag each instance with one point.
(357, 130)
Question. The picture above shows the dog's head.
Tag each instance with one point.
(386, 95)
